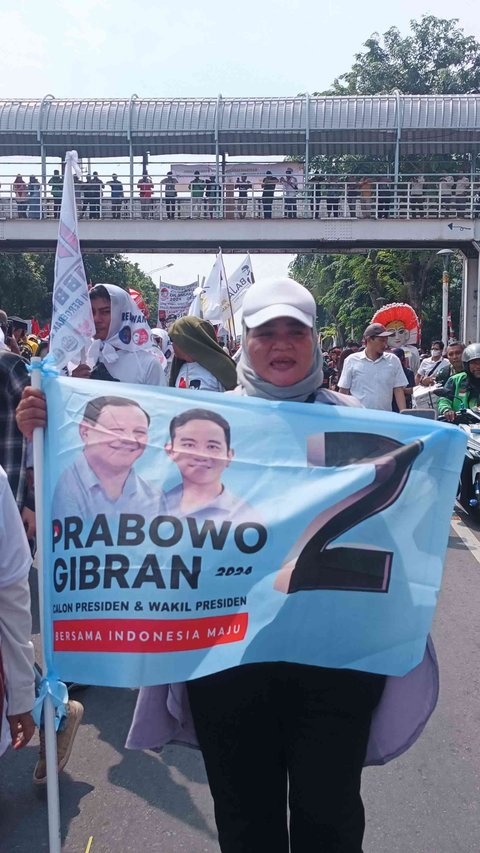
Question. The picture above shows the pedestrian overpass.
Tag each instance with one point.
(246, 135)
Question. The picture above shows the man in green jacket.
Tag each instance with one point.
(463, 389)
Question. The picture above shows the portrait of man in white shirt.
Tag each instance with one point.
(102, 479)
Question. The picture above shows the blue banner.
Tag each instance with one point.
(188, 532)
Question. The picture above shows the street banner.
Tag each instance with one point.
(239, 282)
(174, 300)
(189, 532)
(215, 299)
(184, 173)
(72, 326)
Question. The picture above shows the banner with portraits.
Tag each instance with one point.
(188, 532)
(174, 301)
(184, 173)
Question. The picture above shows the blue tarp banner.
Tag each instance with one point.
(188, 532)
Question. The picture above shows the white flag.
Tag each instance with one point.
(72, 326)
(239, 282)
(215, 302)
(195, 309)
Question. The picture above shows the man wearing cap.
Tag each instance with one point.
(56, 184)
(243, 186)
(117, 195)
(96, 187)
(290, 188)
(373, 375)
(197, 188)
(170, 194)
(268, 190)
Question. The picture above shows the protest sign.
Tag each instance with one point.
(188, 532)
(174, 301)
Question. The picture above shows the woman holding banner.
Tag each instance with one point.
(284, 744)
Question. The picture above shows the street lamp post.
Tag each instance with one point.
(445, 255)
(159, 269)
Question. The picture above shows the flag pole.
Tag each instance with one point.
(72, 313)
(228, 294)
(53, 798)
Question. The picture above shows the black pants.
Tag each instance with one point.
(266, 729)
(170, 204)
(291, 208)
(267, 202)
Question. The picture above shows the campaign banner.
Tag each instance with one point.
(189, 532)
(72, 326)
(255, 172)
(184, 173)
(174, 301)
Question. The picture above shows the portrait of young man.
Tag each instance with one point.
(200, 446)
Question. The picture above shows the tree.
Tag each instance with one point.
(23, 287)
(436, 58)
(350, 288)
(26, 281)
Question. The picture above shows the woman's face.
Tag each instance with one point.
(281, 351)
(180, 353)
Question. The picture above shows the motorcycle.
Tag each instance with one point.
(469, 488)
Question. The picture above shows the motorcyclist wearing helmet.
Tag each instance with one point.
(463, 389)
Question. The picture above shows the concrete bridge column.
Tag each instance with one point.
(470, 303)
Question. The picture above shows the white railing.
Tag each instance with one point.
(368, 197)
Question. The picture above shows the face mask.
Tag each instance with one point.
(435, 352)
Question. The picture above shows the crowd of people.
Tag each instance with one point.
(387, 377)
(270, 733)
(208, 196)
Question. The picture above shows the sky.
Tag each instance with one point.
(115, 48)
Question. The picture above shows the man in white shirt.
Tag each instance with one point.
(200, 446)
(373, 375)
(430, 367)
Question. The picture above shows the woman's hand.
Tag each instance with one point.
(82, 371)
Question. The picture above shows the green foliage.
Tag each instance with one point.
(350, 288)
(26, 281)
(435, 58)
(23, 287)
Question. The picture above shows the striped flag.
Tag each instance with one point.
(72, 326)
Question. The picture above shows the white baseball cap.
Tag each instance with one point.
(278, 297)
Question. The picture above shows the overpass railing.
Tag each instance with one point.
(369, 197)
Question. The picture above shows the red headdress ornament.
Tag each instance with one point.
(398, 312)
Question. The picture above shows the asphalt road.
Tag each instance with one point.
(428, 801)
